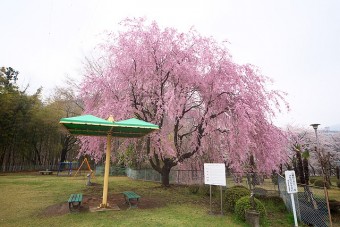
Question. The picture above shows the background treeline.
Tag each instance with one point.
(30, 134)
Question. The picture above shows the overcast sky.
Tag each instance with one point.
(296, 43)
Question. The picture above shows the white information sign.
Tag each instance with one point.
(291, 189)
(214, 174)
(291, 182)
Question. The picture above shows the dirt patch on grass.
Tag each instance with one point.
(93, 200)
(55, 210)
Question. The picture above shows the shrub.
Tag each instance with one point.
(334, 206)
(272, 198)
(233, 194)
(338, 183)
(193, 189)
(244, 204)
(319, 183)
(312, 180)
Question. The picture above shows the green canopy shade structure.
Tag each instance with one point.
(88, 125)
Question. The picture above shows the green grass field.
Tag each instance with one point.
(25, 198)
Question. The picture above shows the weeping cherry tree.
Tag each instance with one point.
(205, 104)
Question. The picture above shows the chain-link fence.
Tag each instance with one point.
(190, 177)
(114, 171)
(262, 186)
(187, 177)
(310, 203)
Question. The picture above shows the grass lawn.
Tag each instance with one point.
(27, 199)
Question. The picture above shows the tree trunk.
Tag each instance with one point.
(312, 169)
(165, 177)
(295, 166)
(68, 141)
(328, 177)
(37, 157)
(165, 171)
(306, 170)
(63, 154)
(11, 160)
(4, 161)
(337, 171)
(300, 167)
(325, 169)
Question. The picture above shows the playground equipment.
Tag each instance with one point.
(65, 166)
(88, 166)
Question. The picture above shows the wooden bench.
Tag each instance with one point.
(74, 202)
(43, 172)
(131, 198)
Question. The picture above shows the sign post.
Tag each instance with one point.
(214, 174)
(291, 189)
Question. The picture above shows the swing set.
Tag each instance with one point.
(88, 166)
(65, 166)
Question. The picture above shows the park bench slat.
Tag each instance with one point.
(131, 195)
(75, 201)
(75, 198)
